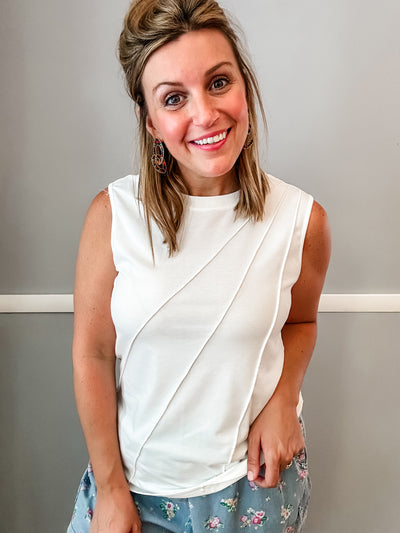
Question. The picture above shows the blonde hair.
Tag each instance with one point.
(148, 25)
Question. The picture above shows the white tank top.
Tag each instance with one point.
(199, 333)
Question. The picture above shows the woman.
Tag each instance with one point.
(203, 277)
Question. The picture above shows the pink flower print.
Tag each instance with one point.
(301, 465)
(169, 509)
(286, 512)
(301, 456)
(89, 515)
(245, 521)
(254, 518)
(303, 474)
(290, 529)
(213, 523)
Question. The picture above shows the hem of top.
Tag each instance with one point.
(210, 488)
(203, 490)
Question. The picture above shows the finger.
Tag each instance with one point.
(272, 473)
(286, 466)
(253, 458)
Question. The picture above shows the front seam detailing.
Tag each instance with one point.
(250, 395)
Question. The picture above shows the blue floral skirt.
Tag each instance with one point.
(241, 506)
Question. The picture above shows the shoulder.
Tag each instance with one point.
(317, 237)
(95, 269)
(96, 233)
(279, 189)
(107, 206)
(317, 244)
(128, 185)
(318, 217)
(315, 259)
(99, 215)
(100, 205)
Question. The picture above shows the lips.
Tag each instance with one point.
(211, 139)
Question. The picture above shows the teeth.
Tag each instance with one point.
(212, 140)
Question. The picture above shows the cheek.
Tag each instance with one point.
(242, 121)
(171, 128)
(239, 110)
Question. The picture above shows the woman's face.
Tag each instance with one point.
(196, 100)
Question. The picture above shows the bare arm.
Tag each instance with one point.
(276, 431)
(94, 371)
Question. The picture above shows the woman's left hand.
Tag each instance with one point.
(277, 433)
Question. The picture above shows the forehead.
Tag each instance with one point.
(189, 56)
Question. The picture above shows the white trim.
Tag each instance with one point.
(330, 303)
(360, 303)
(36, 303)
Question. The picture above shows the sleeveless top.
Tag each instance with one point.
(198, 334)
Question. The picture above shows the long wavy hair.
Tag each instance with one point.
(148, 25)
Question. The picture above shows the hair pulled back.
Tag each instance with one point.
(148, 25)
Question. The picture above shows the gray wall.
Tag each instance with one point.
(330, 77)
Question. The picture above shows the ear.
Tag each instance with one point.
(151, 128)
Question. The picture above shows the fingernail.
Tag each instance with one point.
(250, 475)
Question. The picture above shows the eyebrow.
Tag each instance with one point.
(208, 72)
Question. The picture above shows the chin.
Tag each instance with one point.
(219, 171)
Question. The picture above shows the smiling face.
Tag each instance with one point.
(196, 102)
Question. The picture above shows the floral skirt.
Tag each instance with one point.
(243, 506)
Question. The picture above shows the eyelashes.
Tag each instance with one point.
(220, 83)
(176, 99)
(172, 100)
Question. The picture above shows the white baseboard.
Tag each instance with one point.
(36, 303)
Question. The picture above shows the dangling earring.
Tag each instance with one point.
(249, 140)
(157, 159)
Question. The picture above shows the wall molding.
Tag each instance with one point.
(330, 303)
(36, 303)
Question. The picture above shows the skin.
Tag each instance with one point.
(202, 104)
(194, 90)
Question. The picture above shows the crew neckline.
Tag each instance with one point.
(213, 202)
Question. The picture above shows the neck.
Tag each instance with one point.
(212, 186)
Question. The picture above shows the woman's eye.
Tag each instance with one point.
(173, 100)
(220, 83)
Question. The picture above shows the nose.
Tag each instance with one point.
(204, 111)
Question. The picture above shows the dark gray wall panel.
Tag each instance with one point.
(43, 452)
(351, 405)
(351, 397)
